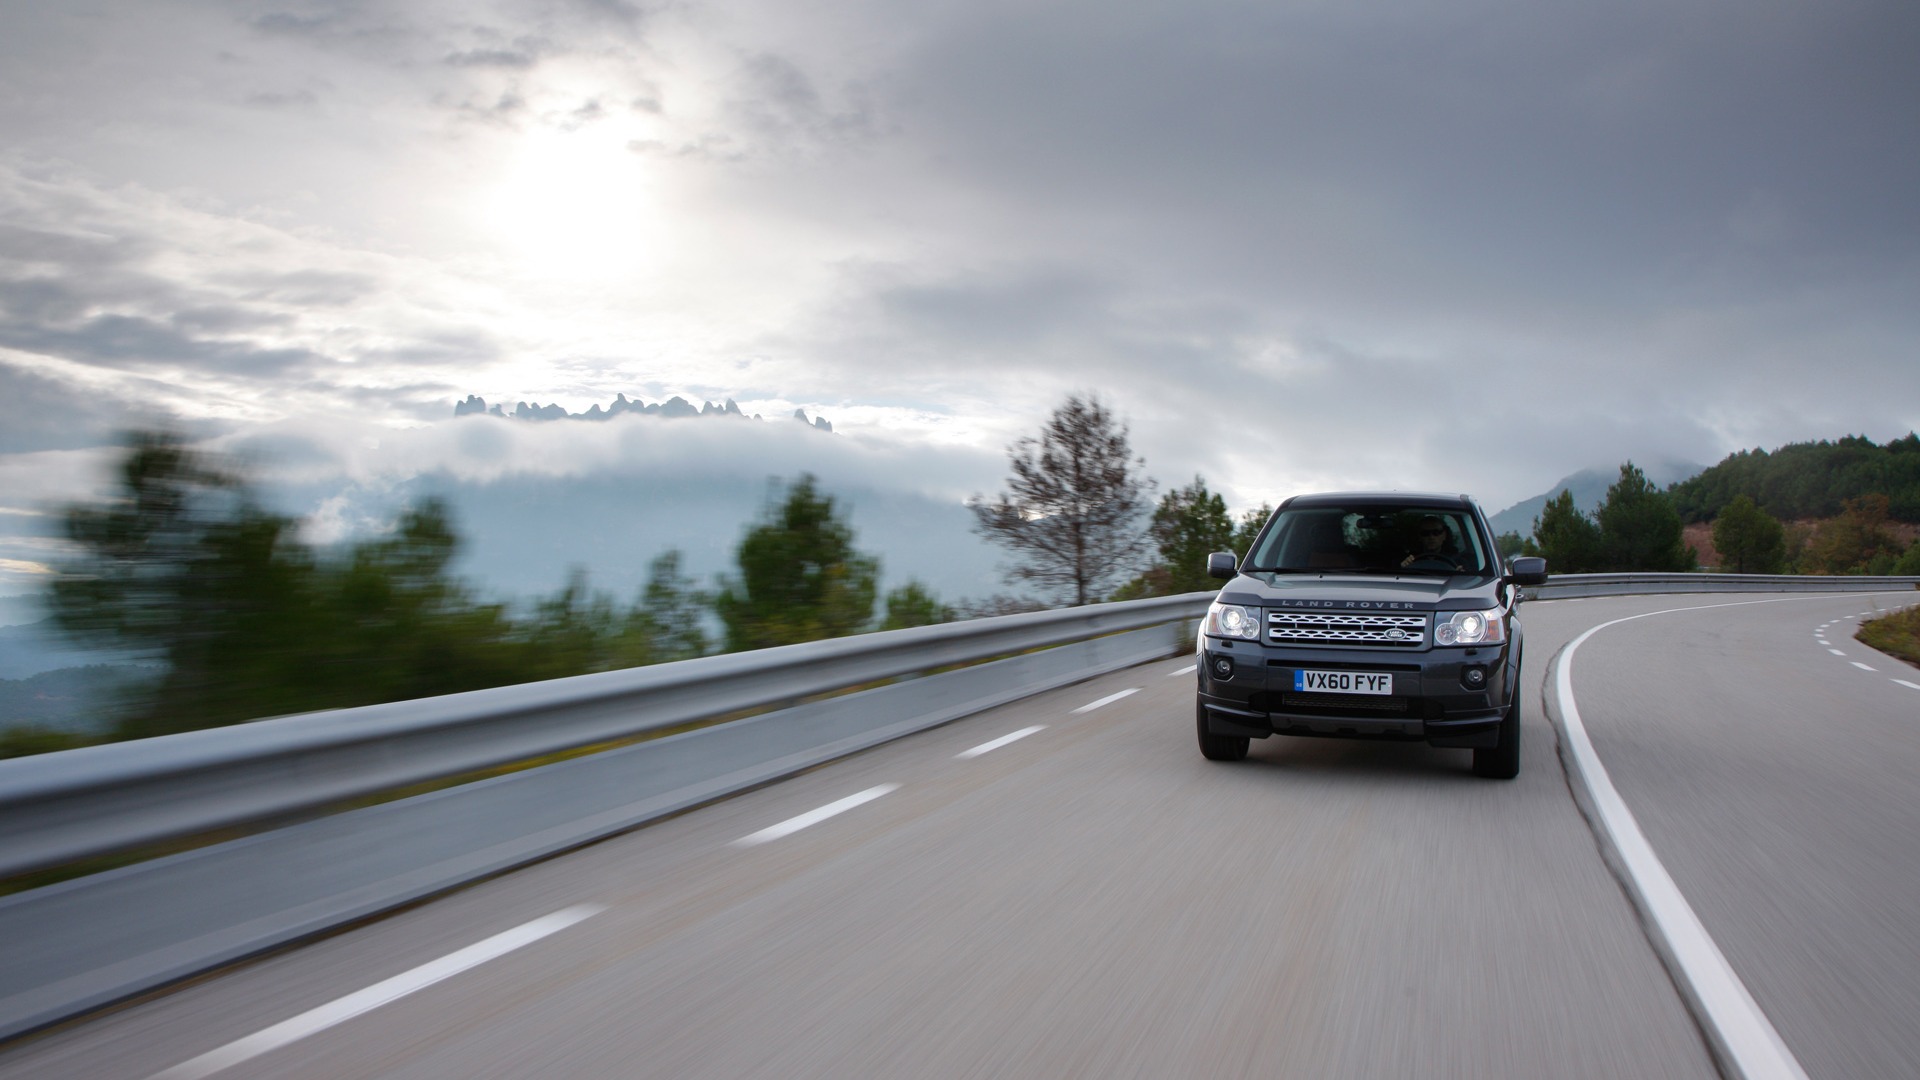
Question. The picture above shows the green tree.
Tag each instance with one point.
(1153, 581)
(138, 550)
(25, 740)
(1249, 527)
(1070, 516)
(183, 565)
(1800, 481)
(800, 578)
(1567, 538)
(913, 604)
(1908, 565)
(391, 622)
(1640, 529)
(669, 622)
(1189, 524)
(576, 630)
(1750, 540)
(1855, 542)
(1509, 544)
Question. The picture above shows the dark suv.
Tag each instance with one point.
(1374, 615)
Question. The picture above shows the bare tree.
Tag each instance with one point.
(1070, 516)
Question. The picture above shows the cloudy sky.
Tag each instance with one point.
(1462, 244)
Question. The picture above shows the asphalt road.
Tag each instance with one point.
(1095, 899)
(1771, 761)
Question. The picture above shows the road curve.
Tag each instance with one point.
(1085, 896)
(1770, 760)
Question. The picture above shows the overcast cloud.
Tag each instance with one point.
(1469, 245)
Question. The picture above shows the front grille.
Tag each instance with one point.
(1407, 631)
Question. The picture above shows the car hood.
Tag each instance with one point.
(1361, 593)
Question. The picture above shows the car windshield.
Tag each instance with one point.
(1372, 540)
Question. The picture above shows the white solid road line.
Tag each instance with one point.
(814, 817)
(380, 993)
(1751, 1047)
(1188, 670)
(1108, 700)
(1000, 742)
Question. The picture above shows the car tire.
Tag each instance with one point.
(1501, 761)
(1217, 747)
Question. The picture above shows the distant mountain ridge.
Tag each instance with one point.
(1589, 487)
(675, 407)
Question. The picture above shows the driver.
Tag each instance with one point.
(1434, 545)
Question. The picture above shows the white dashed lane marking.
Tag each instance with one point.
(1820, 635)
(814, 817)
(1188, 670)
(996, 744)
(342, 1009)
(1108, 700)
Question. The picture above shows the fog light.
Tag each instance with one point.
(1222, 668)
(1473, 677)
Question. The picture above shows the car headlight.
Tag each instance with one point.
(1470, 628)
(1233, 621)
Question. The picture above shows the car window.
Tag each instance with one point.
(1372, 539)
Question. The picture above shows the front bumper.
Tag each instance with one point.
(1431, 699)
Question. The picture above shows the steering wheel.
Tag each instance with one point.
(1431, 562)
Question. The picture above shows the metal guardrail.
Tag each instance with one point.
(1572, 586)
(104, 937)
(62, 807)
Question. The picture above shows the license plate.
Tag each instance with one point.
(1343, 682)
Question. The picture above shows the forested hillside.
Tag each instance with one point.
(1800, 481)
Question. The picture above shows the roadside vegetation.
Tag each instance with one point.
(233, 617)
(1897, 635)
(1846, 507)
(1635, 528)
(1809, 481)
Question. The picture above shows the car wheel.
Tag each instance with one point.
(1501, 761)
(1217, 747)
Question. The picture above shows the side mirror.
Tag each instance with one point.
(1222, 565)
(1527, 570)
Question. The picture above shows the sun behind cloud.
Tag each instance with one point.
(576, 205)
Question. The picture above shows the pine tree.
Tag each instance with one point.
(1640, 529)
(1748, 538)
(800, 577)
